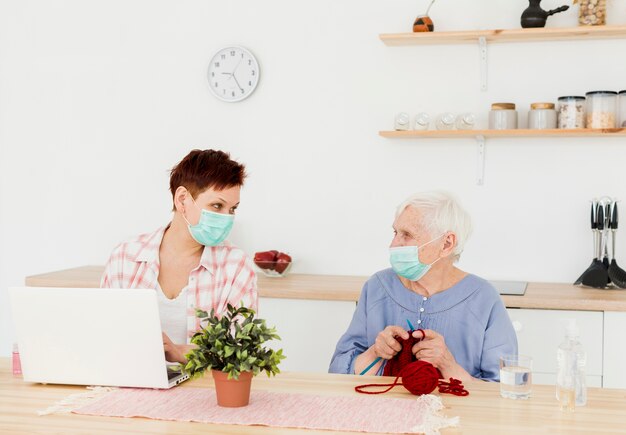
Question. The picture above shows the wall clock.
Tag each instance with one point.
(233, 74)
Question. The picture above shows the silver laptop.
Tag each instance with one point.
(91, 336)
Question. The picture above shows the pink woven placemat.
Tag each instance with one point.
(266, 408)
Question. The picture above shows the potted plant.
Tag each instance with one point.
(231, 345)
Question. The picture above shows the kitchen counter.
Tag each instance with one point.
(482, 412)
(348, 288)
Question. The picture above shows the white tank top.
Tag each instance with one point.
(173, 314)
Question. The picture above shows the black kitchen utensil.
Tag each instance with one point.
(597, 275)
(616, 273)
(594, 226)
(607, 226)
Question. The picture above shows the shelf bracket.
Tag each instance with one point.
(480, 162)
(482, 47)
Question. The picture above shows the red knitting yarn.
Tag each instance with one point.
(419, 377)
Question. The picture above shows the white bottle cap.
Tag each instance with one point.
(15, 349)
(572, 329)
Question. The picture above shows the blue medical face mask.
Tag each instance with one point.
(406, 263)
(212, 228)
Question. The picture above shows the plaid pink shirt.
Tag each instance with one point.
(224, 275)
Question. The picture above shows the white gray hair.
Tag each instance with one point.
(441, 212)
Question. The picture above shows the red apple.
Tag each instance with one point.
(282, 262)
(266, 259)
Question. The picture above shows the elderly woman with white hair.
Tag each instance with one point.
(466, 326)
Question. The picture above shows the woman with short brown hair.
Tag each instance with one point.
(189, 262)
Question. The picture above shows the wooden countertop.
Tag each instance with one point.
(348, 288)
(482, 412)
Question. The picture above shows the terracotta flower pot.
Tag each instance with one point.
(232, 393)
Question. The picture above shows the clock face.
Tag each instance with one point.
(233, 74)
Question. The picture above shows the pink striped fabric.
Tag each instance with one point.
(224, 275)
(344, 413)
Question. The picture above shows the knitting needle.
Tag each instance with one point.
(378, 358)
(369, 366)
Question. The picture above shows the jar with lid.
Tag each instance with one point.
(601, 109)
(541, 116)
(402, 121)
(503, 116)
(465, 121)
(422, 120)
(591, 12)
(571, 112)
(445, 121)
(622, 109)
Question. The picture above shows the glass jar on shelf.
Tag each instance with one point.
(422, 121)
(503, 116)
(591, 12)
(465, 121)
(402, 121)
(445, 121)
(601, 109)
(571, 112)
(622, 109)
(541, 116)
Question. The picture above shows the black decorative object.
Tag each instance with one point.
(534, 16)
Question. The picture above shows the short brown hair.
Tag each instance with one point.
(203, 169)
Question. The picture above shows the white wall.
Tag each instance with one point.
(99, 99)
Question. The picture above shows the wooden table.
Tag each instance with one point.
(348, 288)
(483, 412)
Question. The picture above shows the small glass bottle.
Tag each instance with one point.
(601, 109)
(17, 363)
(465, 121)
(445, 121)
(422, 121)
(622, 109)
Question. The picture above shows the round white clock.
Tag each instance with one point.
(233, 74)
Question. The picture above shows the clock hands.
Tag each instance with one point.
(236, 81)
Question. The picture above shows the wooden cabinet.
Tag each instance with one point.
(614, 370)
(311, 312)
(309, 330)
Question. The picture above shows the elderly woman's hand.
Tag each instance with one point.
(432, 348)
(386, 346)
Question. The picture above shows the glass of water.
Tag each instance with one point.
(515, 376)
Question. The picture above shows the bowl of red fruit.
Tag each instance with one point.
(272, 263)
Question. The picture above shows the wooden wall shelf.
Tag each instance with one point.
(556, 133)
(499, 35)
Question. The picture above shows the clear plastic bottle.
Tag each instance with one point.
(571, 385)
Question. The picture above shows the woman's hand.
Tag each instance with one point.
(432, 348)
(175, 352)
(386, 346)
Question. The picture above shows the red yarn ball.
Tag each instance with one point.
(419, 377)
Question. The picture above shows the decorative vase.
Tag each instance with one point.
(535, 16)
(232, 393)
(423, 23)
